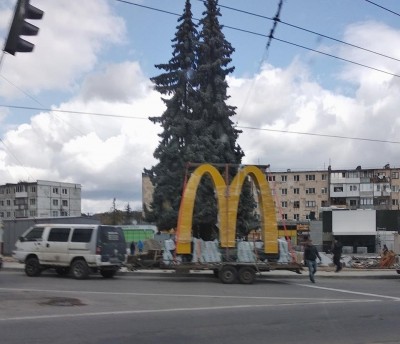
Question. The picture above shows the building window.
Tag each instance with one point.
(33, 188)
(283, 178)
(338, 188)
(64, 213)
(310, 191)
(19, 188)
(324, 176)
(32, 213)
(395, 188)
(271, 178)
(8, 202)
(284, 216)
(395, 202)
(296, 191)
(366, 201)
(8, 214)
(32, 201)
(310, 204)
(55, 191)
(296, 178)
(324, 191)
(64, 191)
(55, 202)
(353, 188)
(296, 204)
(324, 204)
(54, 213)
(1, 214)
(2, 203)
(284, 191)
(284, 204)
(310, 177)
(353, 202)
(395, 175)
(65, 203)
(296, 217)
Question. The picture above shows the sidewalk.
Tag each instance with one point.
(323, 272)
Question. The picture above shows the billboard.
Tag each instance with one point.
(228, 196)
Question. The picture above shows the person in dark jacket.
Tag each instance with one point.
(133, 248)
(310, 259)
(337, 254)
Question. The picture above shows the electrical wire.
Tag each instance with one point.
(240, 127)
(382, 7)
(284, 41)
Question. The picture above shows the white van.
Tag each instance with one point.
(76, 249)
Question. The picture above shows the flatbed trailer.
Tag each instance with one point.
(228, 272)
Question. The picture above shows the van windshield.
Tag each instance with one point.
(111, 234)
(34, 234)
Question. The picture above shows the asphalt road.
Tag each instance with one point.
(149, 308)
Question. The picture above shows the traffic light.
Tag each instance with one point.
(19, 27)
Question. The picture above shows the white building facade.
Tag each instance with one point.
(39, 199)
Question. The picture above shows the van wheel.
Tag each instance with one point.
(62, 271)
(108, 273)
(32, 267)
(80, 269)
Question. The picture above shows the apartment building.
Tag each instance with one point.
(303, 195)
(39, 199)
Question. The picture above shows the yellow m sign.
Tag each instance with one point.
(228, 202)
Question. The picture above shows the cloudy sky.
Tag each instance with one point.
(76, 109)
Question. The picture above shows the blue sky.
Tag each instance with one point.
(96, 56)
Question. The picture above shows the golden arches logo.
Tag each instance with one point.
(228, 201)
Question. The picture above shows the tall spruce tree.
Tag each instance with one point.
(176, 85)
(217, 136)
(197, 125)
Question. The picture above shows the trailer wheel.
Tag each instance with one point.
(246, 275)
(228, 274)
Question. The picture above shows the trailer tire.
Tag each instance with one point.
(246, 275)
(228, 274)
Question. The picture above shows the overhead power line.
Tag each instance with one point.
(284, 41)
(384, 8)
(240, 127)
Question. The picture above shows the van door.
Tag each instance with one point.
(82, 245)
(55, 248)
(111, 244)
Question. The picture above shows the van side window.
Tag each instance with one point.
(35, 234)
(82, 235)
(59, 234)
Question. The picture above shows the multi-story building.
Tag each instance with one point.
(39, 199)
(302, 195)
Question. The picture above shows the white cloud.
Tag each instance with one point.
(71, 36)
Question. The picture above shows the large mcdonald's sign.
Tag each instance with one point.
(228, 202)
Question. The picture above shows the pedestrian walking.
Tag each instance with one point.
(310, 259)
(337, 254)
(140, 246)
(132, 248)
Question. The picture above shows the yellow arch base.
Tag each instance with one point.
(228, 202)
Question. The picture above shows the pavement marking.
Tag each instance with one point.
(78, 315)
(350, 292)
(80, 292)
